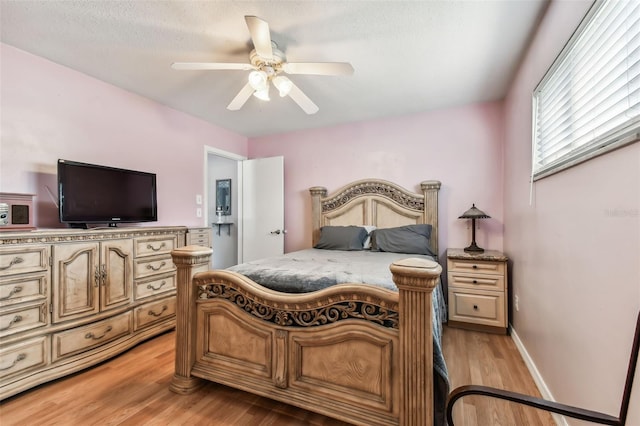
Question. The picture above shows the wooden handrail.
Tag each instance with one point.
(555, 407)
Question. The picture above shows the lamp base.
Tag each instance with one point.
(473, 248)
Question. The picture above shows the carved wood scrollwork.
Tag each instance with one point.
(321, 312)
(375, 188)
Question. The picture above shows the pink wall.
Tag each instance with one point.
(461, 147)
(51, 112)
(575, 249)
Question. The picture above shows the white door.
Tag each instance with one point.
(262, 208)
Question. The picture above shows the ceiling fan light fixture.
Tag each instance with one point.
(283, 84)
(266, 62)
(258, 80)
(262, 94)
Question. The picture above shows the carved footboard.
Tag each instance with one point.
(357, 353)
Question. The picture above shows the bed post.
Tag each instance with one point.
(189, 260)
(416, 279)
(316, 212)
(430, 190)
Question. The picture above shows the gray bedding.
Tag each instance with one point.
(314, 269)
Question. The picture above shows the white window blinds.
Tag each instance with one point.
(588, 102)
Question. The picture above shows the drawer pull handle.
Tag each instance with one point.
(150, 247)
(164, 308)
(475, 281)
(151, 287)
(15, 320)
(475, 307)
(475, 266)
(19, 358)
(16, 289)
(14, 261)
(158, 268)
(94, 337)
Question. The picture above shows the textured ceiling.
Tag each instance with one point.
(409, 56)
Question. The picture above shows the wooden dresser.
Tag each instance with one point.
(478, 290)
(70, 299)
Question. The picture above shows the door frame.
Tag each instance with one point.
(209, 150)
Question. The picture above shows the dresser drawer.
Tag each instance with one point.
(198, 234)
(476, 281)
(479, 307)
(155, 245)
(23, 288)
(16, 319)
(476, 266)
(22, 356)
(15, 261)
(154, 312)
(155, 285)
(198, 240)
(148, 266)
(80, 339)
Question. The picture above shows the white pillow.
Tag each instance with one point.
(367, 241)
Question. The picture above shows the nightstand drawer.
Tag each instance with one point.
(196, 240)
(479, 307)
(476, 266)
(476, 281)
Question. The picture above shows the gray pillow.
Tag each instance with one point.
(412, 239)
(341, 238)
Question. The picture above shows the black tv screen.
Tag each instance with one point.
(90, 193)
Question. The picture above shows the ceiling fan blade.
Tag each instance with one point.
(318, 68)
(302, 100)
(260, 35)
(211, 66)
(240, 99)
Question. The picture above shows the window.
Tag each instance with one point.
(588, 102)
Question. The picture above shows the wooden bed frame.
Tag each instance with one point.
(354, 352)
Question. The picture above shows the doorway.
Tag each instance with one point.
(254, 224)
(223, 166)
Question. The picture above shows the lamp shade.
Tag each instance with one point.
(474, 213)
(283, 84)
(262, 94)
(258, 80)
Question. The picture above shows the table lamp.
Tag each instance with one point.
(474, 213)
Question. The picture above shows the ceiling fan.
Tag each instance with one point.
(267, 64)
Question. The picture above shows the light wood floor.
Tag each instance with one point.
(132, 389)
(491, 360)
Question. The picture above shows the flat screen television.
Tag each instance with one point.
(90, 193)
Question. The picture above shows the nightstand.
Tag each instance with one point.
(199, 236)
(478, 291)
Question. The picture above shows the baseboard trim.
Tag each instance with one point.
(537, 377)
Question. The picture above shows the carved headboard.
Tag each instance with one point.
(376, 202)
